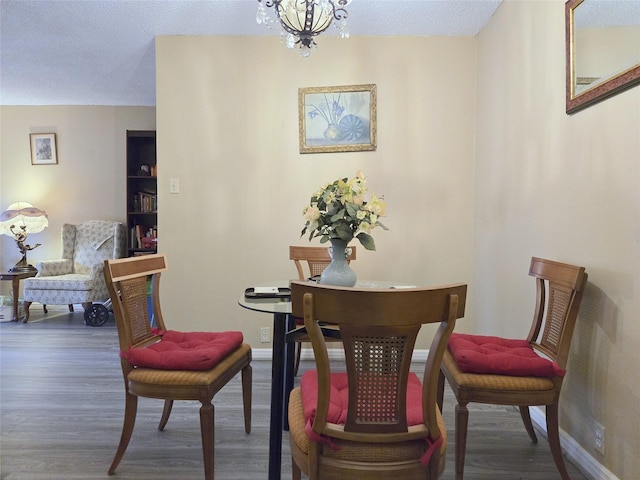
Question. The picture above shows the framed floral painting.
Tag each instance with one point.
(337, 119)
(43, 149)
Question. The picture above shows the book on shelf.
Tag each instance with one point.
(145, 202)
(144, 237)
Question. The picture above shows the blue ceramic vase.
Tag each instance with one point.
(338, 272)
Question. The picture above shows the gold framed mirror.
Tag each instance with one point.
(602, 50)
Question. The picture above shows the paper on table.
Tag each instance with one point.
(265, 290)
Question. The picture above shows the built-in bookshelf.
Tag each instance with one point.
(142, 192)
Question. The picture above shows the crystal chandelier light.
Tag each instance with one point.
(301, 20)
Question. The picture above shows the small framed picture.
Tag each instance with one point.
(337, 119)
(43, 149)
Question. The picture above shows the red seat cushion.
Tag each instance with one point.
(339, 401)
(499, 356)
(185, 350)
(339, 397)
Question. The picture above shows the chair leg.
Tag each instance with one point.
(26, 306)
(314, 455)
(526, 419)
(462, 419)
(247, 379)
(554, 440)
(298, 355)
(166, 411)
(434, 465)
(207, 433)
(130, 410)
(296, 473)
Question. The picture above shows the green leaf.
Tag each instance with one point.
(352, 209)
(366, 240)
(379, 224)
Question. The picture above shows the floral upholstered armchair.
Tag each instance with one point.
(77, 277)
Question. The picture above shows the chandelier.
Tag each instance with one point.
(301, 20)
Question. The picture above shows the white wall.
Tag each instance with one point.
(567, 188)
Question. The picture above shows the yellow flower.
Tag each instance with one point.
(377, 206)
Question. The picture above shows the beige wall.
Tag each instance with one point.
(89, 180)
(228, 129)
(563, 187)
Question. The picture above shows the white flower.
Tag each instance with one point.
(340, 210)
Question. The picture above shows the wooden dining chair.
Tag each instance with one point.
(499, 371)
(377, 420)
(170, 365)
(311, 262)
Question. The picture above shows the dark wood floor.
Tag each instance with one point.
(61, 405)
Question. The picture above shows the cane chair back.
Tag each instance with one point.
(127, 284)
(559, 291)
(379, 328)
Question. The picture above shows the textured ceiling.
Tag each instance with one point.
(101, 52)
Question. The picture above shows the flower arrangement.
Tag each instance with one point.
(339, 210)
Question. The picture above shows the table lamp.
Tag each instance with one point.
(19, 220)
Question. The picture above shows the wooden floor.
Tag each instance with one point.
(62, 401)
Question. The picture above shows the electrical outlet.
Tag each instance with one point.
(598, 438)
(174, 185)
(265, 334)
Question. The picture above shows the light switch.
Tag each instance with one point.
(174, 185)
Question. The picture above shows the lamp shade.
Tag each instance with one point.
(23, 214)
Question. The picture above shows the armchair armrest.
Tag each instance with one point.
(50, 268)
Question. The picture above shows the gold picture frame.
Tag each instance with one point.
(337, 119)
(43, 149)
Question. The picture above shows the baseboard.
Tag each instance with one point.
(307, 354)
(261, 353)
(578, 456)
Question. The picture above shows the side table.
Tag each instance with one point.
(15, 278)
